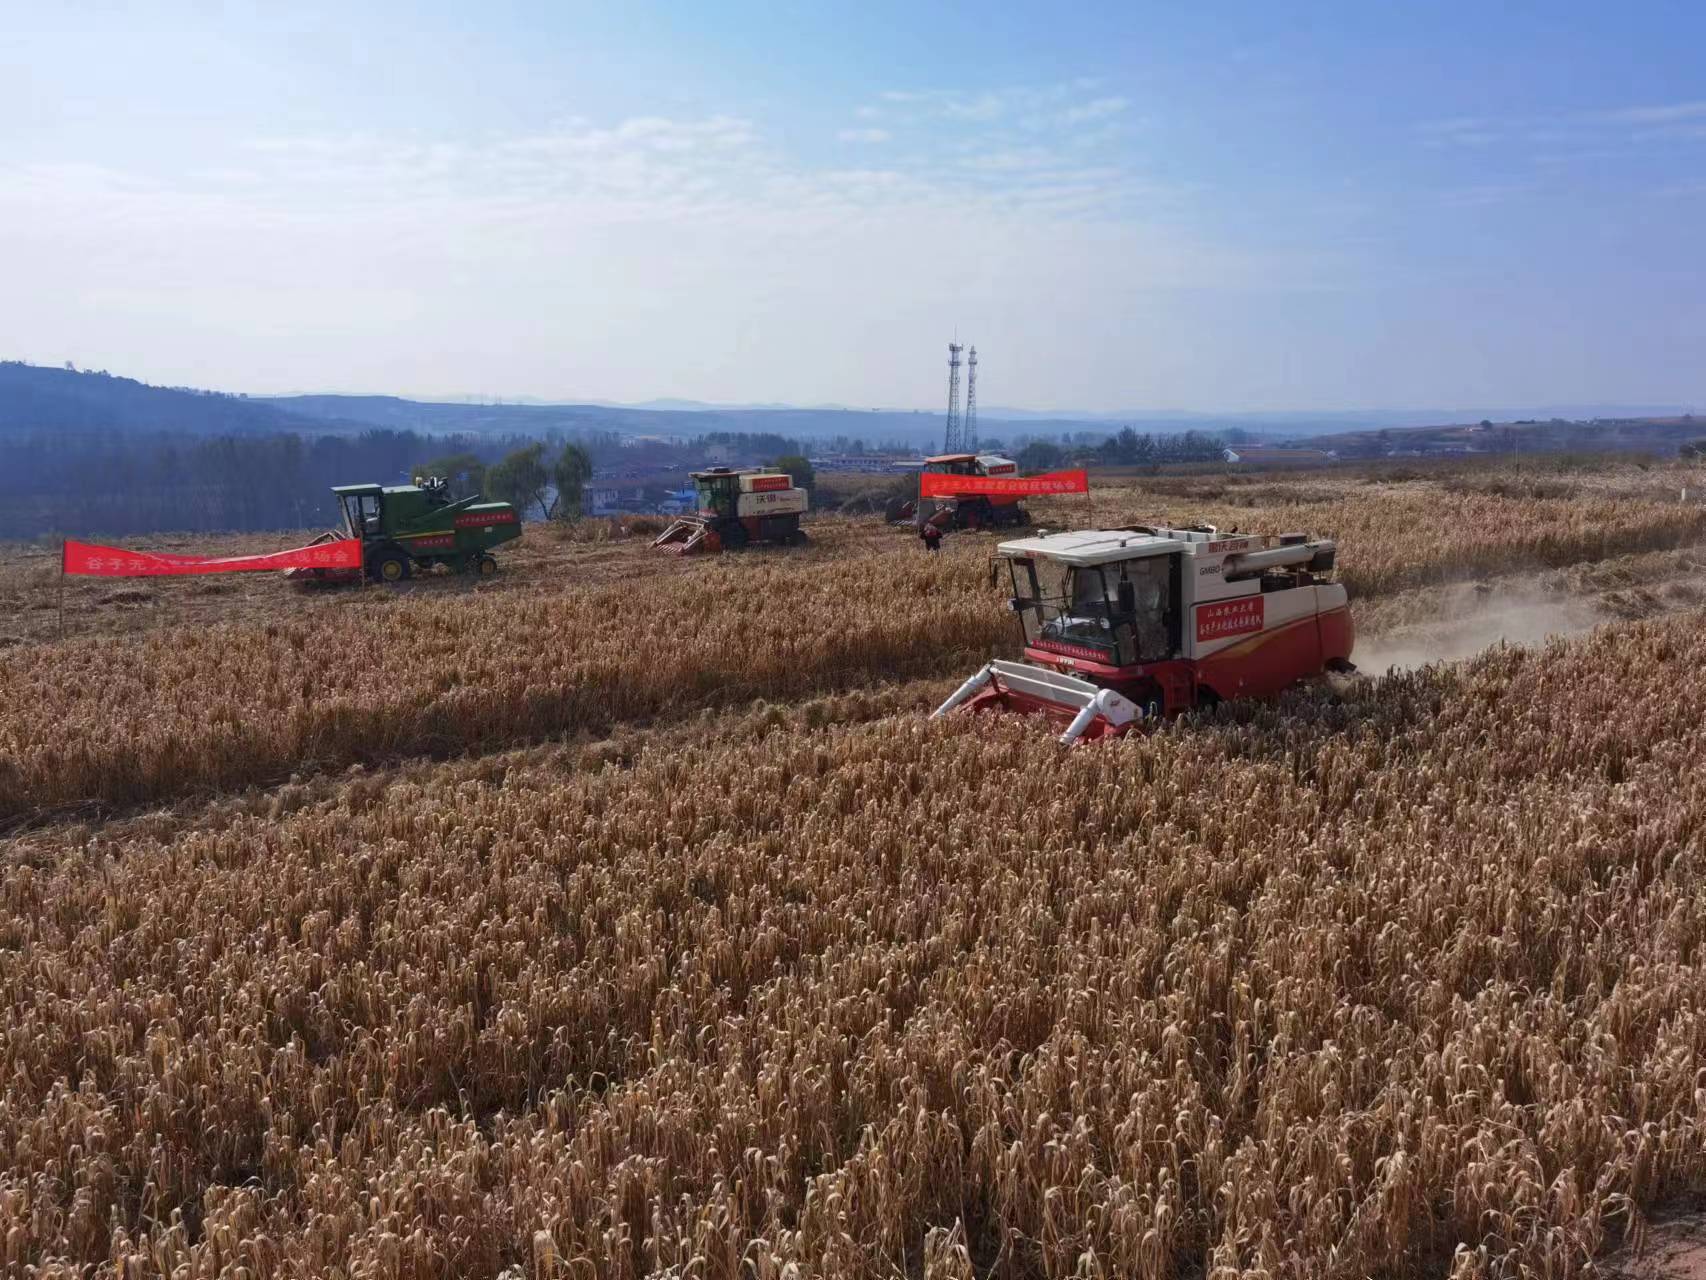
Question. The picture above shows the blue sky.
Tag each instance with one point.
(1228, 206)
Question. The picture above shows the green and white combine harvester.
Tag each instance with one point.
(410, 528)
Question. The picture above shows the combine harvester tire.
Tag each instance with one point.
(388, 564)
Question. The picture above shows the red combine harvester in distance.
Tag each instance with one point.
(1123, 627)
(967, 511)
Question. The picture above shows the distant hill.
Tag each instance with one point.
(1661, 435)
(914, 428)
(36, 398)
(33, 398)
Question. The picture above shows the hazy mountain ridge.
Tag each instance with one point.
(33, 397)
(36, 397)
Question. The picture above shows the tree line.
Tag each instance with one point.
(530, 477)
(1125, 448)
(110, 484)
(107, 484)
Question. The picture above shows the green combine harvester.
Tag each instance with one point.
(408, 527)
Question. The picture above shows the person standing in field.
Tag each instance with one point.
(932, 535)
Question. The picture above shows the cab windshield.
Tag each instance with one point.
(1082, 611)
(361, 514)
(717, 495)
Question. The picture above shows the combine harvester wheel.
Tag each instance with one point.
(390, 565)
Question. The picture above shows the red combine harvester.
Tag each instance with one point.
(968, 511)
(1123, 627)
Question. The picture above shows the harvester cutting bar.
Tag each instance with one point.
(1021, 687)
(686, 534)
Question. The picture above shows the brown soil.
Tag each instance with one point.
(1672, 1248)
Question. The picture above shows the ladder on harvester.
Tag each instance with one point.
(686, 534)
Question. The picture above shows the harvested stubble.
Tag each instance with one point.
(126, 720)
(1403, 980)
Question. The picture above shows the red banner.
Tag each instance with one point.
(1226, 618)
(935, 484)
(91, 559)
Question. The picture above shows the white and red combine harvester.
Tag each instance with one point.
(737, 508)
(1123, 627)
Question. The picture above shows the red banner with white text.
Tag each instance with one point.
(933, 484)
(91, 559)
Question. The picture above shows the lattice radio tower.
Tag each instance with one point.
(968, 435)
(951, 440)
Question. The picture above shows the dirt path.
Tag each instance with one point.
(1674, 1248)
(1447, 623)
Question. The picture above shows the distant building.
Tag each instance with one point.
(615, 499)
(1264, 455)
(867, 462)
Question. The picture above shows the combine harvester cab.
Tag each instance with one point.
(736, 509)
(1124, 627)
(972, 511)
(407, 527)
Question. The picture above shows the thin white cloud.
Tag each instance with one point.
(1461, 131)
(584, 257)
(1670, 113)
(652, 169)
(1096, 109)
(1035, 107)
(1484, 195)
(348, 144)
(1588, 132)
(982, 106)
(1012, 160)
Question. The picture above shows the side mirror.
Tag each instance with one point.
(1127, 597)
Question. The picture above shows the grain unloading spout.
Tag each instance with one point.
(1317, 556)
